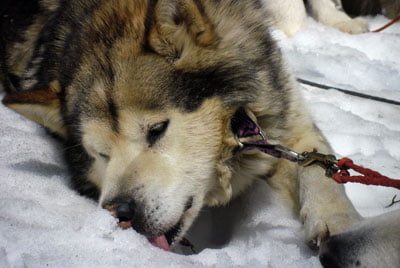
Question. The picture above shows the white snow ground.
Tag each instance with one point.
(43, 223)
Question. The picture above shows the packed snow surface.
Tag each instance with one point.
(44, 223)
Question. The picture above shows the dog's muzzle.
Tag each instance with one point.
(131, 215)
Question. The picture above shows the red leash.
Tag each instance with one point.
(368, 176)
(393, 21)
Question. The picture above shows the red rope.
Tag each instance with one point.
(368, 176)
(393, 21)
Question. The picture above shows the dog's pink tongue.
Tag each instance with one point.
(160, 242)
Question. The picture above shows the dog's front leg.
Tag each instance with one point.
(322, 204)
(324, 207)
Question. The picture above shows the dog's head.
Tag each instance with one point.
(153, 127)
(155, 156)
(155, 152)
(155, 165)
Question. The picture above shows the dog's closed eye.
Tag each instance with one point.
(156, 132)
(104, 156)
(97, 153)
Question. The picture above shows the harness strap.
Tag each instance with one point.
(244, 127)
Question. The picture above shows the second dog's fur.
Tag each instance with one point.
(375, 242)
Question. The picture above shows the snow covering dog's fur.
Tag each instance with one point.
(373, 243)
(143, 92)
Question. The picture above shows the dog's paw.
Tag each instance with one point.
(353, 26)
(319, 225)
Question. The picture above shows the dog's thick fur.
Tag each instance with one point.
(142, 93)
(375, 242)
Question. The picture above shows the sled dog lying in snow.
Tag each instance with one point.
(143, 93)
(373, 243)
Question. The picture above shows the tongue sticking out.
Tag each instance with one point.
(160, 242)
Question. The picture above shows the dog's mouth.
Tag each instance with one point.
(166, 240)
(163, 241)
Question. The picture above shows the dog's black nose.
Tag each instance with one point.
(133, 213)
(125, 212)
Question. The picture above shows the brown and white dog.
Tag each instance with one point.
(142, 93)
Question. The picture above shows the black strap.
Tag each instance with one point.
(348, 92)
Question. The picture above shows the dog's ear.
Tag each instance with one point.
(180, 26)
(41, 106)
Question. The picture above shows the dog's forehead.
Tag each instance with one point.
(143, 83)
(149, 86)
(131, 121)
(151, 82)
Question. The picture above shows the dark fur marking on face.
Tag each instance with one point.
(79, 161)
(148, 24)
(113, 110)
(112, 107)
(192, 88)
(257, 4)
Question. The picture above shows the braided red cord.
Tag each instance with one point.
(369, 177)
(393, 21)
